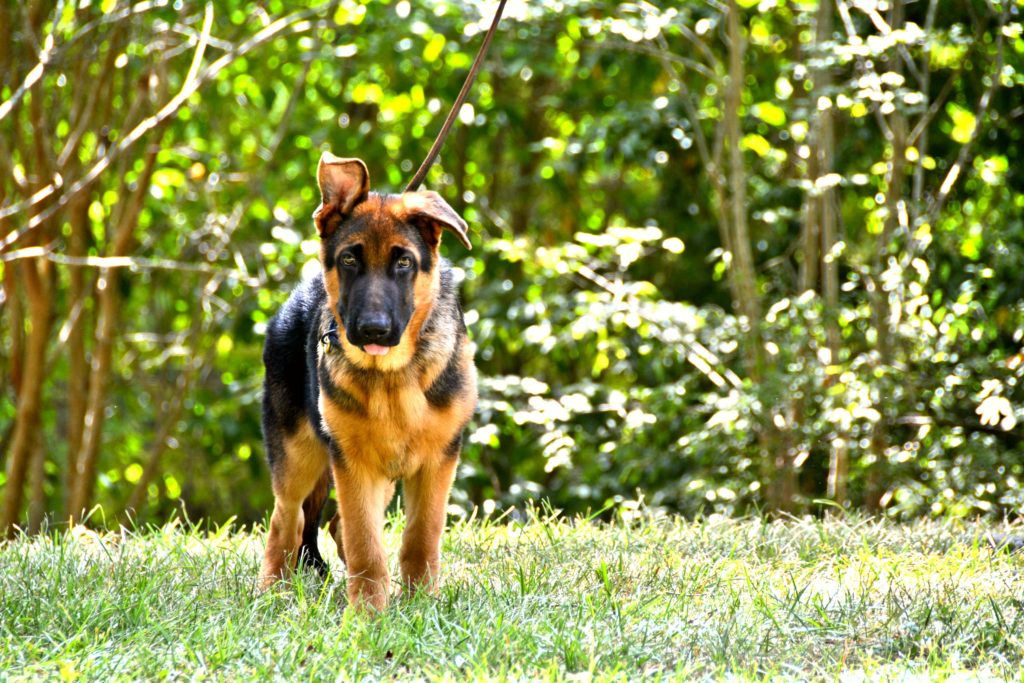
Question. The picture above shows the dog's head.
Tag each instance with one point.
(379, 255)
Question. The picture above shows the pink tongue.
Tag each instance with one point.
(375, 350)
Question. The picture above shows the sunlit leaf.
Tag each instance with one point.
(964, 122)
(756, 143)
(433, 48)
(770, 113)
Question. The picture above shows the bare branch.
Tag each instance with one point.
(939, 200)
(700, 45)
(293, 23)
(886, 30)
(933, 109)
(670, 66)
(36, 72)
(663, 54)
(921, 129)
(131, 262)
(699, 355)
(851, 32)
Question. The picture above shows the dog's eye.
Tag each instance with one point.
(404, 263)
(348, 260)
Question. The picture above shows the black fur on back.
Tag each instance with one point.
(291, 387)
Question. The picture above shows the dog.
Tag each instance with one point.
(369, 379)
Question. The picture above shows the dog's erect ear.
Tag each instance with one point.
(343, 184)
(433, 214)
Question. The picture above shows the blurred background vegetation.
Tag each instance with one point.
(730, 255)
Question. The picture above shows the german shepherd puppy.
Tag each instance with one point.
(369, 379)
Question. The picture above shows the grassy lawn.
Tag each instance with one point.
(545, 598)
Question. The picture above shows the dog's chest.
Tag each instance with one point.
(400, 417)
(385, 431)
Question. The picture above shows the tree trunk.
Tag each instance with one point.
(743, 260)
(37, 488)
(29, 394)
(81, 494)
(95, 412)
(78, 368)
(895, 205)
(37, 275)
(824, 211)
(776, 461)
(16, 316)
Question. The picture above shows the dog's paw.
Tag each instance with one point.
(267, 582)
(367, 597)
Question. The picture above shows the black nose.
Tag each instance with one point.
(374, 327)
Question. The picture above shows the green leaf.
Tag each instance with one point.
(964, 122)
(756, 144)
(166, 178)
(433, 49)
(770, 113)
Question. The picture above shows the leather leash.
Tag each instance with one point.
(417, 179)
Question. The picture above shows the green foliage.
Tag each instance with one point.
(610, 354)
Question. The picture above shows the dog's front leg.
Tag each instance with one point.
(426, 496)
(362, 499)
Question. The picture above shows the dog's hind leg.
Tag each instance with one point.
(312, 509)
(296, 468)
(335, 528)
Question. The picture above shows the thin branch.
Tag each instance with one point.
(670, 66)
(919, 138)
(294, 23)
(663, 54)
(114, 17)
(700, 356)
(851, 32)
(188, 88)
(699, 44)
(85, 112)
(933, 110)
(131, 262)
(935, 206)
(886, 30)
(36, 72)
(212, 41)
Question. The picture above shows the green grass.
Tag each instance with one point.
(546, 598)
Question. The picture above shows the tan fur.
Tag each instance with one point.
(401, 432)
(362, 500)
(304, 464)
(426, 495)
(401, 436)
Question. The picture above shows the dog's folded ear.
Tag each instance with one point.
(432, 214)
(343, 184)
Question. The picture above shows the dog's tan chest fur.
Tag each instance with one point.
(398, 430)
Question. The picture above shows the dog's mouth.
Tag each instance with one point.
(376, 349)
